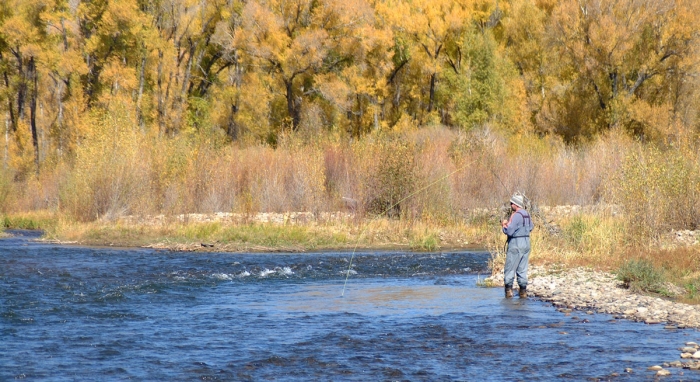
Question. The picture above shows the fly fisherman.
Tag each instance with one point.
(517, 256)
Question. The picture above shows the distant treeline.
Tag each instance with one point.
(248, 71)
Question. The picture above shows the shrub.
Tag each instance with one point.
(5, 188)
(641, 276)
(390, 175)
(110, 177)
(693, 287)
(658, 190)
(428, 242)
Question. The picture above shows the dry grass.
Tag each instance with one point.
(341, 234)
(431, 174)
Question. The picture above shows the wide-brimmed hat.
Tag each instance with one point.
(518, 200)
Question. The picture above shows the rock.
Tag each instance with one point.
(688, 349)
(693, 344)
(628, 370)
(696, 355)
(592, 291)
(655, 367)
(663, 372)
(686, 355)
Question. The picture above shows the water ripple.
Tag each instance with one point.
(70, 313)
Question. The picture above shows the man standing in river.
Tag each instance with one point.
(518, 230)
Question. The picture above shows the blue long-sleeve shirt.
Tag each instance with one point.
(520, 225)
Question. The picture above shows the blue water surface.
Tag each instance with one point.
(75, 313)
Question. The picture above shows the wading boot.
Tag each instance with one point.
(509, 291)
(523, 292)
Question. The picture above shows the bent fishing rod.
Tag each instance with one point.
(352, 257)
(391, 208)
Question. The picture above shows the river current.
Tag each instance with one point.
(74, 313)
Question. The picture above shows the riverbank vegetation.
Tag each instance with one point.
(392, 124)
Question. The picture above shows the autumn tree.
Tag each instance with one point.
(522, 34)
(353, 81)
(486, 89)
(620, 59)
(23, 45)
(432, 31)
(294, 42)
(287, 42)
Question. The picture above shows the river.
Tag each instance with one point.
(74, 313)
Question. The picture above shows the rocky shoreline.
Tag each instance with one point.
(600, 292)
(593, 292)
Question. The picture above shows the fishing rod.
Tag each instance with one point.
(490, 168)
(391, 208)
(505, 244)
(530, 206)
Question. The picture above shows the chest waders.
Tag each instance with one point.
(508, 268)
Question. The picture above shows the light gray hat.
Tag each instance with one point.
(518, 200)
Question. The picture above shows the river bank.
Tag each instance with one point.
(580, 291)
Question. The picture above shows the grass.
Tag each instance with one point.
(373, 233)
(40, 220)
(640, 275)
(427, 242)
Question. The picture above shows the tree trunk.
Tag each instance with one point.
(292, 106)
(7, 141)
(432, 92)
(232, 129)
(139, 112)
(32, 110)
(22, 88)
(60, 86)
(10, 106)
(161, 96)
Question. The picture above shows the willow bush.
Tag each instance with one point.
(387, 174)
(111, 172)
(659, 190)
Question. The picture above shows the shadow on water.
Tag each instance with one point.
(70, 313)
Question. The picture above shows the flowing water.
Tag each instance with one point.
(73, 313)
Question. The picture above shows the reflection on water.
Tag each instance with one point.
(409, 297)
(70, 313)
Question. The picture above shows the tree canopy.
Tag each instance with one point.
(250, 69)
